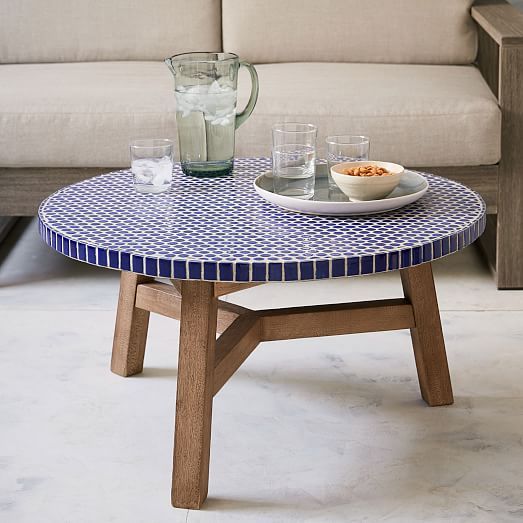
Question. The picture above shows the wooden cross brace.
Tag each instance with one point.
(206, 363)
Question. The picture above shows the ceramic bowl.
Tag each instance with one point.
(365, 188)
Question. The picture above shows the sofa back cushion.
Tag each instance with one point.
(390, 31)
(93, 30)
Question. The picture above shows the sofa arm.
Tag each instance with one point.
(500, 60)
(500, 20)
(500, 43)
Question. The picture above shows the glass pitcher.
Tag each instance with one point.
(205, 86)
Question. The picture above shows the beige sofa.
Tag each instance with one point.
(79, 80)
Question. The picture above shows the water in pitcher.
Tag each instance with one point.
(205, 115)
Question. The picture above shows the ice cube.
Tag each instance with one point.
(143, 170)
(164, 171)
(224, 112)
(224, 82)
(155, 171)
(214, 88)
(198, 89)
(220, 121)
(216, 102)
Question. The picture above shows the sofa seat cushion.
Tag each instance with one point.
(85, 114)
(416, 115)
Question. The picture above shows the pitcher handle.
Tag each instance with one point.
(241, 117)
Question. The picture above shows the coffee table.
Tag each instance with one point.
(212, 237)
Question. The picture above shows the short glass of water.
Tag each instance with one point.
(346, 148)
(152, 165)
(294, 159)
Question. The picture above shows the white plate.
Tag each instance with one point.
(332, 202)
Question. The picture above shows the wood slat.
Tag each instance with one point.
(482, 179)
(159, 298)
(177, 284)
(502, 21)
(24, 188)
(487, 60)
(223, 288)
(130, 332)
(194, 393)
(333, 320)
(232, 308)
(509, 252)
(165, 300)
(427, 335)
(504, 25)
(234, 346)
(487, 242)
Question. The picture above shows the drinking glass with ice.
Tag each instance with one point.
(152, 165)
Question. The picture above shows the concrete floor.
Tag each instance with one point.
(319, 430)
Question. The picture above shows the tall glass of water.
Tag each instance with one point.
(294, 159)
(152, 165)
(346, 148)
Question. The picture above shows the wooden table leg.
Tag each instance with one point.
(427, 335)
(197, 365)
(130, 332)
(194, 394)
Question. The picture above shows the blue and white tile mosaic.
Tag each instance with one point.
(219, 229)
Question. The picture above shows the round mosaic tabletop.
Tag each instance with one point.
(219, 229)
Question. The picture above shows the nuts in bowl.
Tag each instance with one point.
(367, 180)
(366, 170)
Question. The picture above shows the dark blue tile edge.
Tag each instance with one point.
(271, 271)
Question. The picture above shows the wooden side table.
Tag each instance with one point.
(214, 237)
